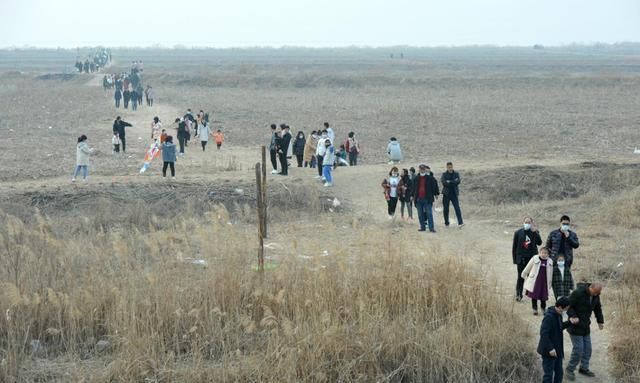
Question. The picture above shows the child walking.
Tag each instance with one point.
(562, 281)
(115, 143)
(82, 158)
(168, 156)
(327, 165)
(218, 136)
(538, 275)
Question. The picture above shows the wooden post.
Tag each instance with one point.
(264, 191)
(260, 209)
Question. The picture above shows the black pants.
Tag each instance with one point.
(126, 103)
(534, 304)
(392, 203)
(300, 158)
(456, 206)
(123, 140)
(520, 280)
(116, 148)
(219, 145)
(274, 159)
(353, 158)
(204, 145)
(320, 160)
(552, 368)
(171, 165)
(284, 166)
(181, 141)
(117, 102)
(406, 202)
(148, 102)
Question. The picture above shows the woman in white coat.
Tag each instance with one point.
(538, 275)
(82, 158)
(203, 133)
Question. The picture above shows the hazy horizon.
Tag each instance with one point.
(317, 24)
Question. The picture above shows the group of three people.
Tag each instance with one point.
(422, 190)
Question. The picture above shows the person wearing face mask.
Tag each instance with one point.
(525, 245)
(393, 189)
(563, 241)
(425, 191)
(298, 147)
(551, 343)
(562, 281)
(537, 279)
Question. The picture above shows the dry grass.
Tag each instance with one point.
(383, 312)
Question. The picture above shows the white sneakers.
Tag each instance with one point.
(274, 171)
(327, 184)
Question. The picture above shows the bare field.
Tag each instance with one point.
(134, 278)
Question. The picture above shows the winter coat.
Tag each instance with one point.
(400, 188)
(450, 182)
(562, 282)
(554, 242)
(82, 154)
(284, 143)
(119, 126)
(151, 93)
(203, 133)
(127, 95)
(551, 334)
(321, 148)
(352, 145)
(408, 188)
(519, 252)
(182, 129)
(581, 306)
(169, 152)
(310, 148)
(331, 134)
(299, 145)
(530, 273)
(394, 151)
(329, 156)
(218, 137)
(432, 188)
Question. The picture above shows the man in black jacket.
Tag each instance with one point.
(450, 181)
(584, 301)
(119, 126)
(273, 149)
(525, 245)
(283, 148)
(425, 191)
(551, 345)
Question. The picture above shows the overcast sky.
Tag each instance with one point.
(316, 23)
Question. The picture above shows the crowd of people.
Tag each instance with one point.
(128, 89)
(547, 269)
(100, 59)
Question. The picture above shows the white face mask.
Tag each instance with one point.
(423, 174)
(394, 175)
(565, 227)
(527, 226)
(561, 263)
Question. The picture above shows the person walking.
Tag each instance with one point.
(406, 195)
(168, 156)
(450, 182)
(204, 132)
(310, 149)
(117, 96)
(525, 245)
(139, 93)
(551, 343)
(353, 149)
(134, 99)
(151, 95)
(182, 134)
(584, 301)
(299, 145)
(537, 279)
(218, 136)
(327, 165)
(283, 148)
(562, 280)
(126, 95)
(393, 189)
(425, 192)
(115, 143)
(82, 158)
(563, 241)
(119, 125)
(273, 148)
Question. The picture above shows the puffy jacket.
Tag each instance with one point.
(298, 145)
(554, 243)
(82, 154)
(169, 152)
(394, 151)
(432, 188)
